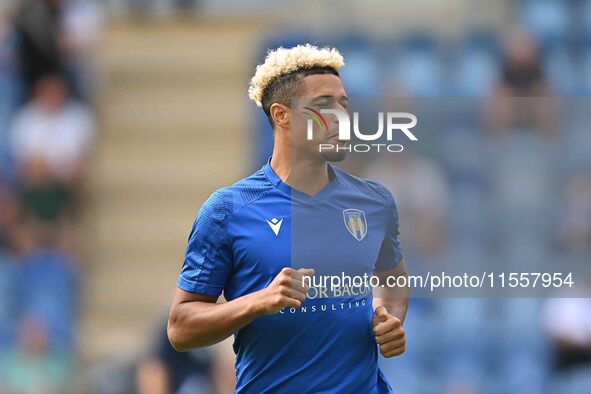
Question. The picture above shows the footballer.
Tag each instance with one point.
(242, 244)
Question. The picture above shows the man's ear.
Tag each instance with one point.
(281, 115)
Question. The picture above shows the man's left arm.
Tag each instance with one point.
(390, 305)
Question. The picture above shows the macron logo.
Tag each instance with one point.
(275, 225)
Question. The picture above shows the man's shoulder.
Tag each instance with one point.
(229, 199)
(365, 186)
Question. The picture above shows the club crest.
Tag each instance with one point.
(355, 223)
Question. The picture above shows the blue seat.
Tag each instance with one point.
(462, 322)
(417, 67)
(467, 227)
(405, 373)
(584, 73)
(476, 66)
(550, 21)
(585, 13)
(578, 145)
(361, 73)
(525, 362)
(8, 271)
(11, 94)
(521, 171)
(49, 283)
(463, 150)
(559, 67)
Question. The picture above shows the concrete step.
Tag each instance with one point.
(172, 115)
(163, 166)
(139, 289)
(136, 48)
(136, 244)
(174, 129)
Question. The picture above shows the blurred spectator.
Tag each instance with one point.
(81, 32)
(522, 72)
(53, 131)
(166, 371)
(59, 36)
(44, 147)
(568, 322)
(522, 77)
(38, 26)
(51, 141)
(33, 366)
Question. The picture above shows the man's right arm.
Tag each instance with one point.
(196, 320)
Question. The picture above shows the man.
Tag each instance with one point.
(297, 211)
(38, 25)
(51, 142)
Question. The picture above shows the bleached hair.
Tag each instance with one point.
(283, 61)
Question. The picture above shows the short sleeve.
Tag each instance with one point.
(391, 250)
(208, 258)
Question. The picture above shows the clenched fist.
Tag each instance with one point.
(388, 332)
(286, 290)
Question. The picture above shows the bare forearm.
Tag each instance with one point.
(395, 300)
(199, 324)
(197, 321)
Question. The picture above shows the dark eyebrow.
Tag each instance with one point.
(340, 98)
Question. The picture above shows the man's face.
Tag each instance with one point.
(51, 93)
(320, 91)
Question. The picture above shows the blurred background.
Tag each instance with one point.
(119, 117)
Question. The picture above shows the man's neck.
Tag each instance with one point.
(304, 174)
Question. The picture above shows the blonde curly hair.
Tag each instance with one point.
(283, 61)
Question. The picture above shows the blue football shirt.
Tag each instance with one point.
(246, 233)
